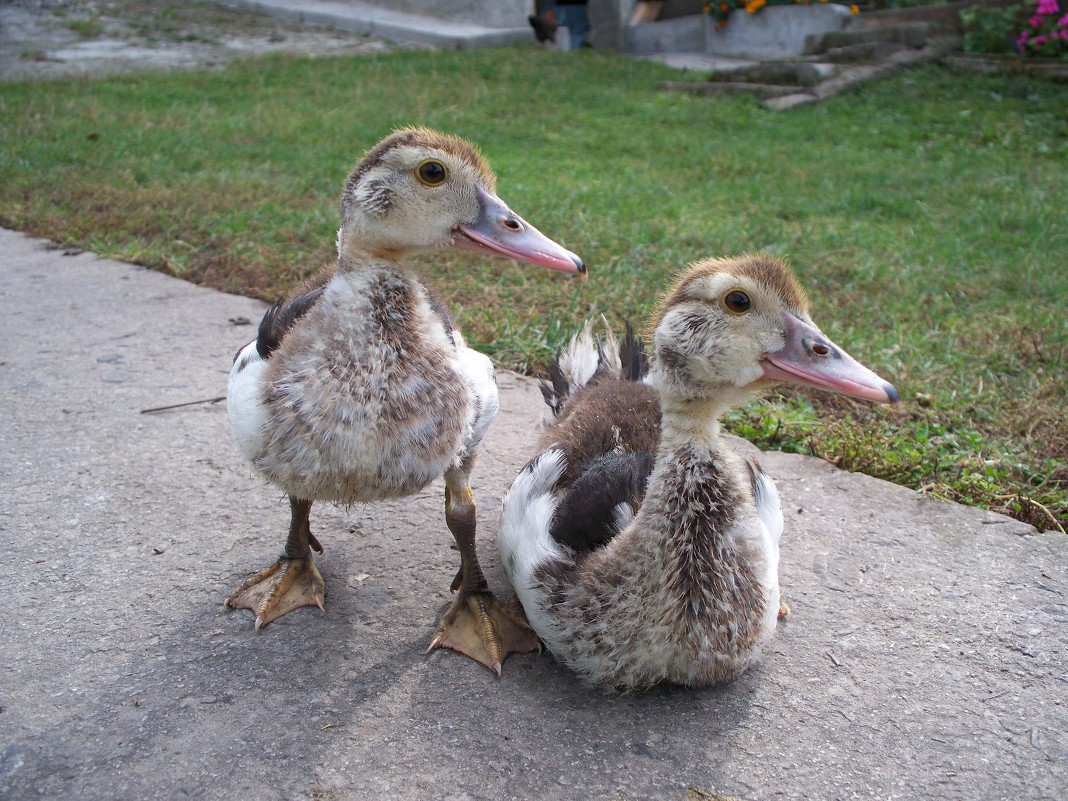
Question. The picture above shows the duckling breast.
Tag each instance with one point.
(364, 398)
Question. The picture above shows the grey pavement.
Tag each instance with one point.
(386, 23)
(926, 656)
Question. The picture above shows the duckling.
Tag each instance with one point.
(642, 546)
(358, 387)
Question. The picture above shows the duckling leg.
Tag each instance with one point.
(291, 582)
(476, 625)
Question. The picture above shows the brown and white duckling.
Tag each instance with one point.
(359, 388)
(642, 547)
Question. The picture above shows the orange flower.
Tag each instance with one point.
(854, 10)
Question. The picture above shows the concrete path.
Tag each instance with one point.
(926, 656)
(396, 26)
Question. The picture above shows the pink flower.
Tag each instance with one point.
(1063, 21)
(1035, 21)
(1040, 40)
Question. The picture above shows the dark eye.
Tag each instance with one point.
(737, 301)
(431, 173)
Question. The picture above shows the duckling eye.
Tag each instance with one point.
(431, 173)
(736, 301)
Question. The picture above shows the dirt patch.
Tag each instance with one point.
(61, 38)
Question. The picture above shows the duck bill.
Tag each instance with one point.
(811, 359)
(502, 232)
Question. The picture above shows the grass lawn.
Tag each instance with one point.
(927, 216)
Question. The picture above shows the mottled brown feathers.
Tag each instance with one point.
(612, 416)
(761, 268)
(426, 139)
(372, 410)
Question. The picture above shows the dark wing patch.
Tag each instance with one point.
(281, 317)
(584, 519)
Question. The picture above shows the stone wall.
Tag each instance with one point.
(490, 13)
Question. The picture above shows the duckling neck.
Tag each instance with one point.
(696, 527)
(360, 259)
(697, 475)
(690, 421)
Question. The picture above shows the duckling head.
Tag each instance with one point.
(731, 326)
(418, 190)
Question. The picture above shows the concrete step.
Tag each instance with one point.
(909, 34)
(857, 53)
(853, 77)
(786, 85)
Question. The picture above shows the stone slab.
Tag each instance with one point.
(926, 655)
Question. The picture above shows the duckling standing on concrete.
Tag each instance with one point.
(642, 547)
(359, 388)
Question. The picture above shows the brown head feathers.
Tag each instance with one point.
(424, 139)
(766, 270)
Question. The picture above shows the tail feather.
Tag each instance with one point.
(556, 392)
(586, 360)
(633, 359)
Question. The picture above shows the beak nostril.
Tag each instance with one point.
(512, 222)
(820, 349)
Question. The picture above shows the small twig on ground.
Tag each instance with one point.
(180, 405)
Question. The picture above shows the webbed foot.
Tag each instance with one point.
(286, 585)
(479, 627)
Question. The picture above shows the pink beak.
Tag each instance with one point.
(502, 232)
(810, 358)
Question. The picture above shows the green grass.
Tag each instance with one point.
(926, 215)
